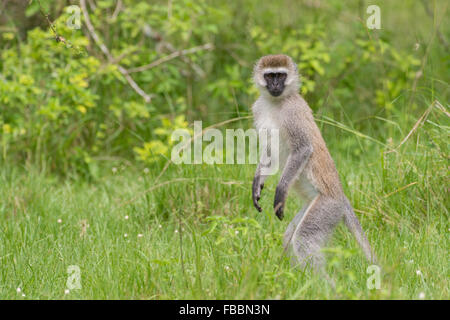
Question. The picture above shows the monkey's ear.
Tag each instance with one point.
(262, 82)
(293, 75)
(258, 78)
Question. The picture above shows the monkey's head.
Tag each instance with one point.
(276, 75)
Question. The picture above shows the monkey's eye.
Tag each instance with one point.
(270, 76)
(282, 76)
(275, 75)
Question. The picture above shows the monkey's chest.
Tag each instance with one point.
(269, 124)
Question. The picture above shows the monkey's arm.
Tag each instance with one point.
(258, 180)
(301, 150)
(258, 185)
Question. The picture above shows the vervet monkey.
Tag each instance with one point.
(305, 162)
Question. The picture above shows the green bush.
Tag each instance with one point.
(64, 106)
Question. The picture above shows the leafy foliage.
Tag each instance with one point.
(64, 105)
(190, 232)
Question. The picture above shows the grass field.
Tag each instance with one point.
(136, 236)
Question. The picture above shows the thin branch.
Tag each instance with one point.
(52, 26)
(117, 10)
(92, 5)
(158, 37)
(107, 53)
(123, 55)
(58, 38)
(172, 56)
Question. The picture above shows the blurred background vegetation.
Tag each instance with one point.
(66, 106)
(85, 122)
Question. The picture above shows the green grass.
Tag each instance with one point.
(193, 232)
(202, 238)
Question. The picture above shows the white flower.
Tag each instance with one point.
(125, 235)
(140, 235)
(114, 169)
(419, 273)
(67, 291)
(422, 295)
(227, 268)
(236, 232)
(126, 217)
(176, 231)
(19, 290)
(146, 170)
(23, 294)
(59, 220)
(160, 226)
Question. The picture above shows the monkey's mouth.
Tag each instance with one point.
(276, 93)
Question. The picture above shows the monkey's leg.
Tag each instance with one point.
(291, 228)
(314, 229)
(287, 238)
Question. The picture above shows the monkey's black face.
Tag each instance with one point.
(275, 82)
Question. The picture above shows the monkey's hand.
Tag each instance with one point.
(256, 192)
(278, 205)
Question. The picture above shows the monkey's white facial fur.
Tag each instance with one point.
(276, 76)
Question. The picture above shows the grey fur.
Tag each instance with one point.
(307, 167)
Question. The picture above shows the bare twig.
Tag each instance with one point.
(171, 56)
(58, 37)
(158, 37)
(123, 55)
(117, 10)
(92, 5)
(107, 53)
(52, 26)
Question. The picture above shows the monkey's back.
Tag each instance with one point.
(320, 170)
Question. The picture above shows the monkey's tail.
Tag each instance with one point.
(352, 223)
